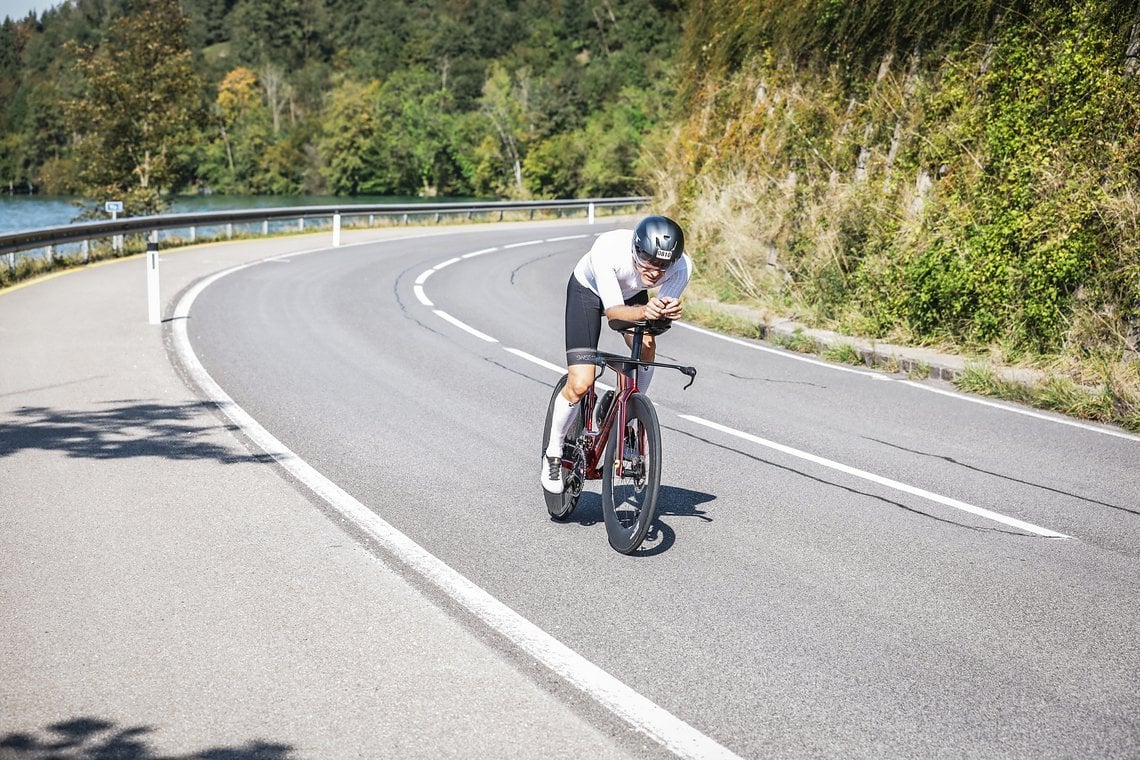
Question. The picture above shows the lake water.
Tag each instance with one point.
(30, 212)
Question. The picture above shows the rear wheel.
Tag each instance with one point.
(631, 475)
(560, 505)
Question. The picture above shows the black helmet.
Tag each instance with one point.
(659, 241)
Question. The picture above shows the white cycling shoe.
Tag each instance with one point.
(551, 475)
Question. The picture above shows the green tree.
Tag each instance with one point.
(241, 121)
(416, 133)
(140, 106)
(348, 143)
(286, 32)
(507, 106)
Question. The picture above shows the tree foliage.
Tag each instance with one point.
(278, 88)
(139, 105)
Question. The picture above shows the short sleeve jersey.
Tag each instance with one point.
(607, 269)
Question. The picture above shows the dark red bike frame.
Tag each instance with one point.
(589, 468)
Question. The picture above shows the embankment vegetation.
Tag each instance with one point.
(962, 174)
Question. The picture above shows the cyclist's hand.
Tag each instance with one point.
(671, 308)
(655, 309)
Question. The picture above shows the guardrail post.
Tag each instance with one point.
(591, 212)
(152, 289)
(86, 248)
(230, 231)
(193, 233)
(336, 230)
(265, 227)
(405, 218)
(12, 261)
(301, 224)
(371, 220)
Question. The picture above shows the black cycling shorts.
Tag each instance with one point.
(584, 314)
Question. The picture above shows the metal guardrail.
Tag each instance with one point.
(85, 231)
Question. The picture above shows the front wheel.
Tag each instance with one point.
(560, 505)
(631, 475)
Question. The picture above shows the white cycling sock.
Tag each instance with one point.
(644, 377)
(560, 420)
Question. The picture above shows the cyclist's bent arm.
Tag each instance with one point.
(626, 313)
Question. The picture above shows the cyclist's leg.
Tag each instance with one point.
(583, 329)
(579, 376)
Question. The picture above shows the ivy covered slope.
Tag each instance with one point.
(526, 98)
(960, 172)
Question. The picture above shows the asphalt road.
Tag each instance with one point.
(165, 592)
(846, 564)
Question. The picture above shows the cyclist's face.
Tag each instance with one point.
(650, 274)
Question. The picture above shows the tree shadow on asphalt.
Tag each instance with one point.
(118, 431)
(94, 739)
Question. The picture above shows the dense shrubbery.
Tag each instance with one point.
(918, 178)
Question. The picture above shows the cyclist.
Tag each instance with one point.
(613, 279)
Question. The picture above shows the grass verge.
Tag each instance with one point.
(1110, 392)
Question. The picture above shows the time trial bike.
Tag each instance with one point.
(616, 438)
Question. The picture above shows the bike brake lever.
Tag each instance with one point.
(691, 372)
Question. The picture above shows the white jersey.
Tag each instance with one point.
(607, 269)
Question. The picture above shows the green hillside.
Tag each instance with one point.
(963, 174)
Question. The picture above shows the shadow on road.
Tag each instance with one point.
(672, 501)
(95, 739)
(120, 430)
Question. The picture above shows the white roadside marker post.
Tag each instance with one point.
(152, 289)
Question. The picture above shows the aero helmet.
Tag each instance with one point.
(658, 241)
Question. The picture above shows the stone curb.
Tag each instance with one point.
(909, 359)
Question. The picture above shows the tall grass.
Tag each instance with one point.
(960, 174)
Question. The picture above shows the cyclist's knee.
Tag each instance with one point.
(578, 382)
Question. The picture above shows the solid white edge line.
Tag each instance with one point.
(1013, 522)
(566, 237)
(463, 326)
(447, 263)
(520, 245)
(920, 386)
(421, 295)
(1025, 412)
(423, 276)
(643, 715)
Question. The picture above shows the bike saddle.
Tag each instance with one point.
(648, 327)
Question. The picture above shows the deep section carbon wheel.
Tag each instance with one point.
(631, 475)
